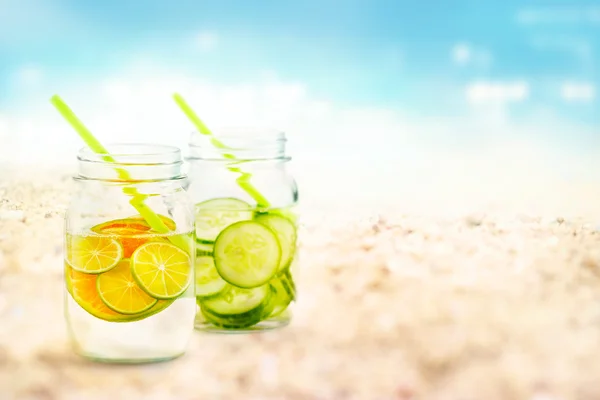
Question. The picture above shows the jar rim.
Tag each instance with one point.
(131, 162)
(239, 132)
(133, 153)
(239, 143)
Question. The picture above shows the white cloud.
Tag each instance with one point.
(563, 14)
(464, 54)
(366, 154)
(497, 92)
(461, 53)
(206, 41)
(578, 92)
(28, 76)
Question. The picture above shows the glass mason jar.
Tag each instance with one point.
(246, 230)
(129, 256)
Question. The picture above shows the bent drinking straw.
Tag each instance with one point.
(137, 200)
(243, 180)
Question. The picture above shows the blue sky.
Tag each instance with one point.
(389, 52)
(444, 73)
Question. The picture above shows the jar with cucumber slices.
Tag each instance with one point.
(246, 230)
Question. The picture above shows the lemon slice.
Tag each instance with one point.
(119, 291)
(93, 255)
(163, 270)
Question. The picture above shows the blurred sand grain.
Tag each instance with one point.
(475, 302)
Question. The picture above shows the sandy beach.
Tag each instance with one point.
(480, 302)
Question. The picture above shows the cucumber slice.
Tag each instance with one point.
(279, 301)
(247, 254)
(203, 249)
(286, 234)
(283, 212)
(212, 216)
(237, 308)
(232, 321)
(237, 301)
(287, 281)
(208, 281)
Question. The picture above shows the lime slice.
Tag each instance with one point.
(212, 216)
(92, 254)
(162, 270)
(119, 291)
(247, 254)
(208, 280)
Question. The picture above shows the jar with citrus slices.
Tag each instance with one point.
(129, 256)
(246, 230)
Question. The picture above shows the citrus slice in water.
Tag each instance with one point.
(162, 270)
(166, 220)
(83, 289)
(120, 292)
(130, 232)
(136, 222)
(93, 255)
(133, 224)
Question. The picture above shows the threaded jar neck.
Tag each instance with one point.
(243, 144)
(131, 162)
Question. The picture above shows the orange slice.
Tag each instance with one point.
(83, 289)
(166, 220)
(133, 224)
(130, 232)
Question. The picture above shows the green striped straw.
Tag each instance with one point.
(243, 180)
(137, 200)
